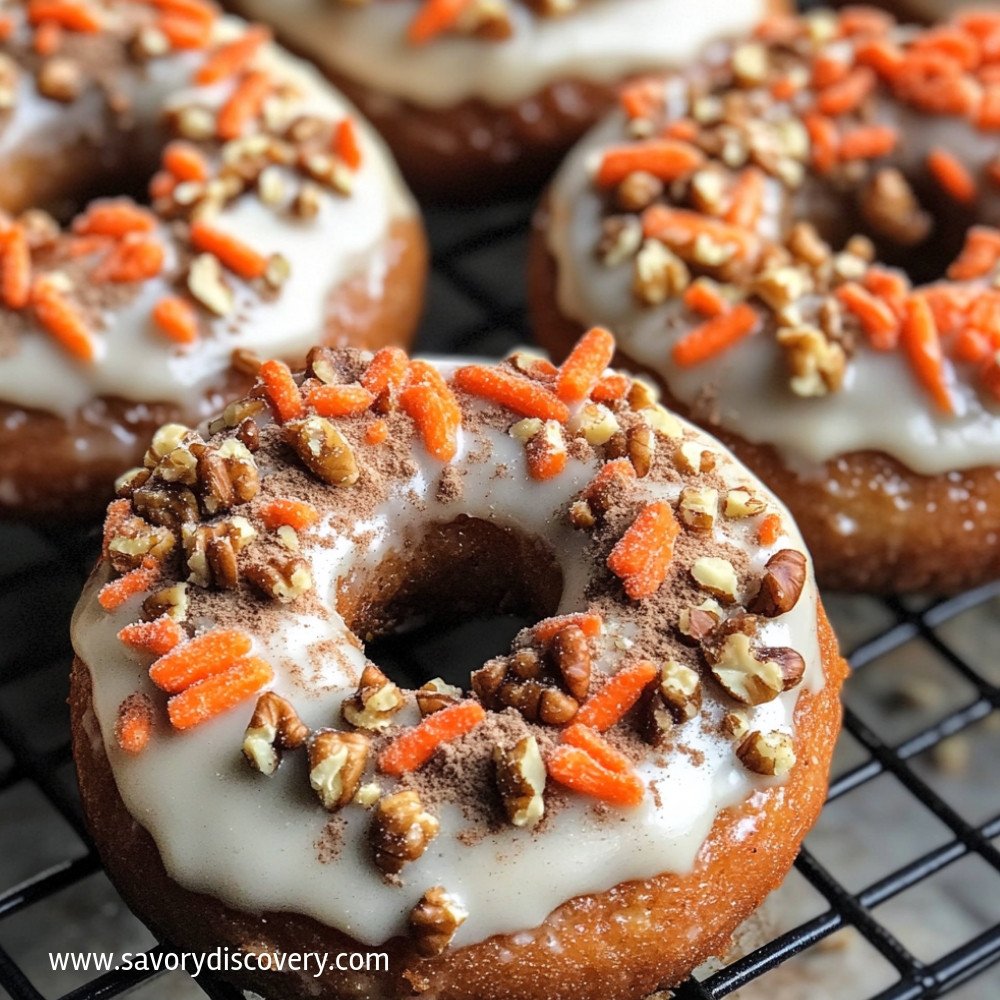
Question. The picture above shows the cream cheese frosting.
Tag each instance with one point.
(255, 848)
(344, 241)
(880, 405)
(601, 41)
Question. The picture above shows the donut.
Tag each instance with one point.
(588, 814)
(796, 237)
(484, 97)
(274, 219)
(927, 11)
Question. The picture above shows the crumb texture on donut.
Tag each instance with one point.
(275, 220)
(797, 237)
(675, 696)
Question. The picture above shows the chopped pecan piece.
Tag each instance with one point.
(374, 703)
(434, 920)
(572, 658)
(782, 584)
(274, 726)
(336, 763)
(435, 695)
(743, 672)
(227, 475)
(697, 508)
(769, 753)
(520, 775)
(401, 831)
(675, 700)
(171, 601)
(696, 623)
(282, 579)
(323, 450)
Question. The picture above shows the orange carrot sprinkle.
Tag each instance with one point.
(824, 139)
(577, 770)
(610, 387)
(881, 55)
(347, 144)
(15, 269)
(583, 368)
(667, 159)
(680, 229)
(219, 693)
(176, 319)
(868, 142)
(747, 202)
(339, 400)
(48, 38)
(890, 287)
(518, 394)
(847, 94)
(377, 432)
(642, 556)
(642, 98)
(6, 27)
(243, 106)
(158, 636)
(919, 339)
(134, 723)
(548, 628)
(198, 658)
(990, 378)
(185, 33)
(587, 739)
(60, 319)
(233, 57)
(114, 594)
(162, 185)
(437, 426)
(282, 392)
(715, 335)
(197, 10)
(827, 70)
(952, 175)
(185, 161)
(703, 296)
(433, 18)
(414, 747)
(73, 15)
(118, 512)
(115, 217)
(971, 346)
(297, 514)
(988, 118)
(769, 529)
(864, 21)
(877, 320)
(618, 694)
(546, 457)
(387, 372)
(135, 258)
(979, 256)
(232, 253)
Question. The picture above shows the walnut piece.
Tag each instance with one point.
(641, 447)
(742, 503)
(747, 675)
(434, 920)
(816, 364)
(274, 726)
(401, 831)
(782, 584)
(520, 776)
(697, 508)
(435, 695)
(572, 658)
(282, 579)
(717, 576)
(674, 701)
(336, 763)
(769, 753)
(696, 623)
(227, 476)
(374, 703)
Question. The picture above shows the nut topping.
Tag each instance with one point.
(782, 584)
(696, 623)
(401, 831)
(748, 676)
(767, 753)
(520, 775)
(641, 446)
(697, 508)
(742, 503)
(336, 763)
(282, 579)
(675, 700)
(572, 656)
(435, 695)
(434, 920)
(323, 450)
(375, 702)
(274, 726)
(717, 576)
(227, 476)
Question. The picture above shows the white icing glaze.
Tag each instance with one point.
(880, 407)
(255, 847)
(134, 362)
(601, 41)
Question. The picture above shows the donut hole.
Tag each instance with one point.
(116, 162)
(450, 599)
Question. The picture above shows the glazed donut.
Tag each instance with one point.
(485, 96)
(276, 220)
(589, 816)
(928, 11)
(803, 257)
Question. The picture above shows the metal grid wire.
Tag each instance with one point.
(476, 306)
